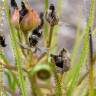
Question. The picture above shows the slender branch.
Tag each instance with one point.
(90, 46)
(82, 78)
(34, 88)
(50, 36)
(9, 66)
(86, 74)
(1, 80)
(91, 68)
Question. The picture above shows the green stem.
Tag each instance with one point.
(1, 80)
(34, 88)
(16, 51)
(91, 66)
(58, 80)
(50, 36)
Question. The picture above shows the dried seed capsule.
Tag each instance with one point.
(51, 15)
(38, 31)
(33, 40)
(29, 19)
(62, 61)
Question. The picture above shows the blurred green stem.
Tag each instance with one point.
(50, 36)
(91, 65)
(58, 80)
(1, 80)
(34, 88)
(15, 50)
(11, 67)
(46, 4)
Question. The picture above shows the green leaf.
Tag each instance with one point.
(12, 80)
(3, 57)
(74, 73)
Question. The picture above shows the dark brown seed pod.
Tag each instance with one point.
(62, 61)
(33, 40)
(51, 16)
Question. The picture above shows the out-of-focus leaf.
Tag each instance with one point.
(76, 70)
(3, 57)
(12, 80)
(59, 7)
(16, 51)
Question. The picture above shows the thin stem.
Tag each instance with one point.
(50, 36)
(46, 4)
(82, 78)
(58, 80)
(16, 50)
(90, 20)
(90, 46)
(86, 74)
(9, 66)
(91, 68)
(34, 88)
(1, 80)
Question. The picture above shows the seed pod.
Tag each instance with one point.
(36, 33)
(39, 30)
(51, 16)
(62, 61)
(33, 40)
(30, 19)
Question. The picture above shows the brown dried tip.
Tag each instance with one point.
(51, 15)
